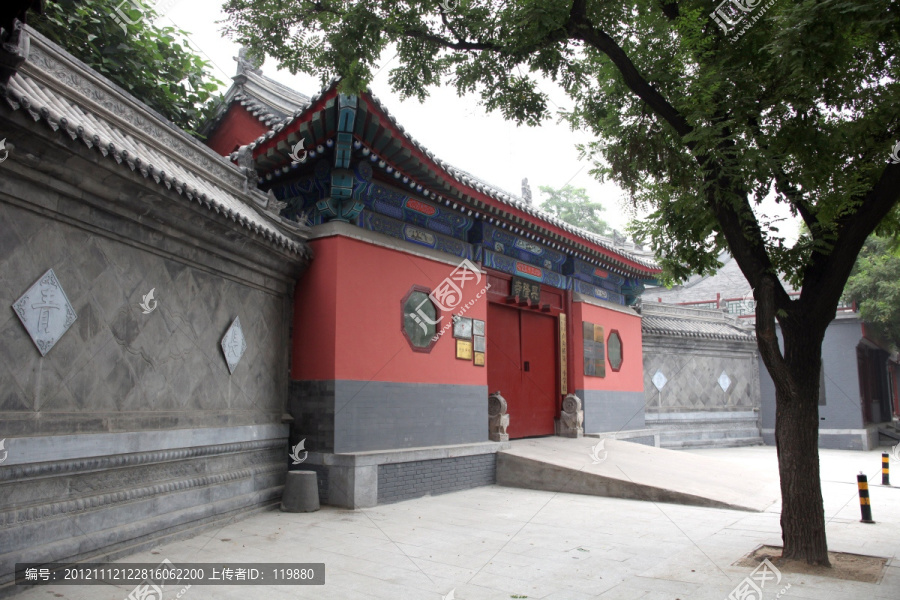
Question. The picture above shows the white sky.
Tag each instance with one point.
(456, 129)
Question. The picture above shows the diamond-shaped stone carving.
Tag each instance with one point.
(234, 345)
(724, 381)
(659, 380)
(45, 311)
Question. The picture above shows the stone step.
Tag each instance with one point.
(716, 443)
(889, 432)
(668, 437)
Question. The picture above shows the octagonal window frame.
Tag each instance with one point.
(437, 316)
(621, 350)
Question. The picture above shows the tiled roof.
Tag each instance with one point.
(685, 321)
(266, 99)
(61, 92)
(517, 201)
(459, 175)
(729, 282)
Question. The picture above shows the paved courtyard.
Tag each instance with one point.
(498, 543)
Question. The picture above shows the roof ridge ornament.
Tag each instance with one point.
(14, 40)
(526, 192)
(247, 63)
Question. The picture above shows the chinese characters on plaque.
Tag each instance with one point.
(45, 312)
(522, 289)
(462, 328)
(594, 350)
(471, 343)
(563, 356)
(479, 342)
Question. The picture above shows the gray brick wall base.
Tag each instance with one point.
(91, 503)
(611, 410)
(404, 481)
(838, 439)
(347, 416)
(366, 479)
(707, 429)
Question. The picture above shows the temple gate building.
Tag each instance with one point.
(429, 290)
(183, 315)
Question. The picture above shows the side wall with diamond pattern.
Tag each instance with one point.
(131, 427)
(694, 409)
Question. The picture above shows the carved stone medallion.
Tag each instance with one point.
(45, 311)
(234, 345)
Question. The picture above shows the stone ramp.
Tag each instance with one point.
(621, 469)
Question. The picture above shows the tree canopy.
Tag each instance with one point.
(119, 40)
(574, 206)
(693, 125)
(875, 287)
(698, 116)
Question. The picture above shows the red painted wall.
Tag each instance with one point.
(630, 378)
(347, 320)
(237, 128)
(315, 316)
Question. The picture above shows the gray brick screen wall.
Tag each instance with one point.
(403, 481)
(132, 429)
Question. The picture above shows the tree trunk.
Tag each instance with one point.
(796, 439)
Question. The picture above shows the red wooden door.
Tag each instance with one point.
(538, 374)
(521, 362)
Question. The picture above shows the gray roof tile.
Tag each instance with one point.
(90, 109)
(685, 321)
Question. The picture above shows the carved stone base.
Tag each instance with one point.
(498, 419)
(571, 419)
(501, 437)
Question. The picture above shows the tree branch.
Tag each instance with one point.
(749, 253)
(420, 34)
(447, 24)
(766, 335)
(582, 29)
(827, 274)
(784, 186)
(797, 200)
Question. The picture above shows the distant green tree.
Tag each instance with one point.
(574, 206)
(155, 64)
(875, 286)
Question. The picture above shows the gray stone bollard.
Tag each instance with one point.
(301, 492)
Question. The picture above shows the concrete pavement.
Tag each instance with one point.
(499, 543)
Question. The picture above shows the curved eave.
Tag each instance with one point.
(378, 131)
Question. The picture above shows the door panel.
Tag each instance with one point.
(539, 381)
(504, 357)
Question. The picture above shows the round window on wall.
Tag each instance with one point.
(419, 319)
(614, 350)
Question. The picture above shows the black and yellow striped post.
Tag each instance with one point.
(885, 468)
(864, 505)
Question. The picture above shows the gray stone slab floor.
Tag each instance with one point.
(498, 543)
